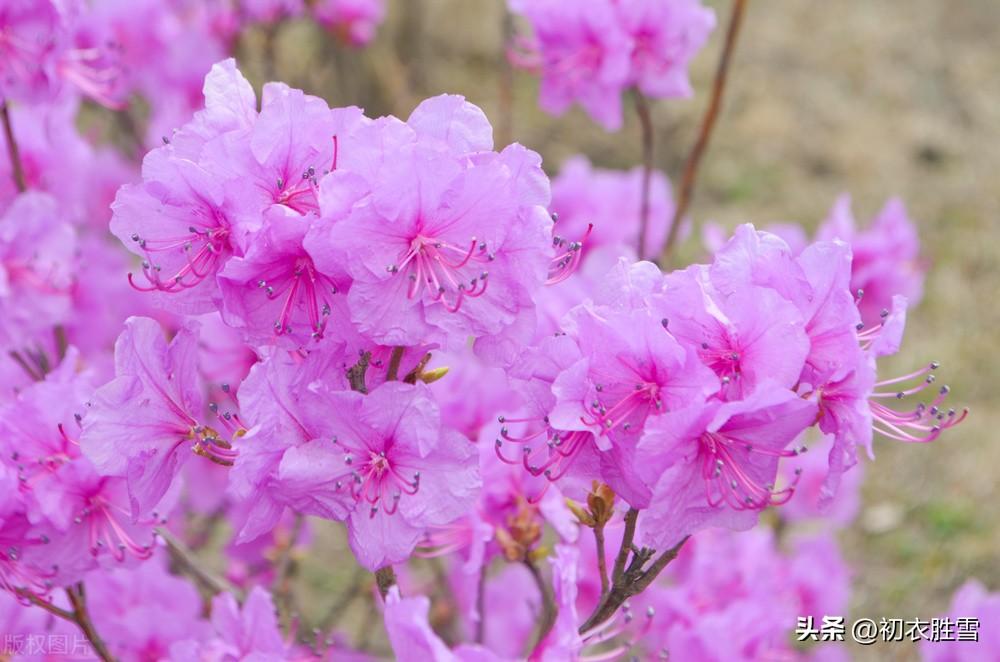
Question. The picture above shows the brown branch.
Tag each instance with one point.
(385, 578)
(16, 166)
(337, 609)
(549, 609)
(44, 604)
(505, 87)
(630, 519)
(686, 189)
(356, 374)
(481, 605)
(77, 598)
(602, 562)
(632, 582)
(648, 145)
(187, 562)
(394, 360)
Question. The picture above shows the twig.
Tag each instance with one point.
(505, 92)
(707, 124)
(648, 146)
(632, 582)
(283, 569)
(394, 360)
(549, 609)
(17, 168)
(356, 373)
(385, 578)
(187, 562)
(481, 605)
(602, 563)
(45, 604)
(354, 589)
(77, 598)
(630, 519)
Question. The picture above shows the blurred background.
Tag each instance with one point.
(871, 98)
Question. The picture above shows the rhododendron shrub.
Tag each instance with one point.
(286, 319)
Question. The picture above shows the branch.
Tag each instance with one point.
(284, 565)
(356, 373)
(82, 620)
(632, 582)
(505, 91)
(602, 562)
(707, 124)
(44, 604)
(630, 519)
(188, 562)
(17, 168)
(549, 609)
(385, 578)
(648, 138)
(394, 360)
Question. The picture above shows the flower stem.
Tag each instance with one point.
(385, 578)
(630, 521)
(602, 562)
(549, 609)
(707, 124)
(17, 168)
(648, 144)
(395, 359)
(77, 598)
(186, 561)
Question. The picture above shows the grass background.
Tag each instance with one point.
(876, 98)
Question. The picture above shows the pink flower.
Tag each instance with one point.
(37, 268)
(354, 21)
(630, 369)
(241, 633)
(141, 612)
(444, 238)
(275, 294)
(746, 337)
(716, 464)
(887, 259)
(584, 53)
(609, 200)
(143, 423)
(413, 640)
(386, 458)
(666, 35)
(971, 601)
(183, 225)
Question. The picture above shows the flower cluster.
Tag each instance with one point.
(590, 52)
(311, 315)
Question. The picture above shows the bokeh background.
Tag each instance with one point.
(872, 98)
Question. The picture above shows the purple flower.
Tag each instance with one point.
(37, 268)
(971, 601)
(413, 640)
(584, 53)
(609, 200)
(442, 237)
(386, 458)
(666, 35)
(354, 21)
(716, 464)
(887, 259)
(143, 423)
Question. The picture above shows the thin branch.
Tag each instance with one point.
(602, 562)
(16, 166)
(385, 578)
(284, 565)
(45, 604)
(481, 605)
(648, 146)
(632, 582)
(549, 609)
(189, 563)
(707, 124)
(505, 91)
(630, 519)
(77, 598)
(356, 374)
(394, 360)
(337, 609)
